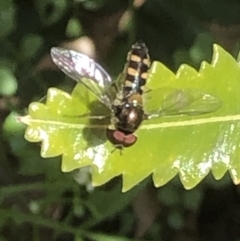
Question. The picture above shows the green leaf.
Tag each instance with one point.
(8, 82)
(103, 237)
(175, 219)
(105, 204)
(190, 146)
(201, 48)
(8, 63)
(74, 28)
(30, 45)
(13, 132)
(199, 51)
(93, 5)
(51, 11)
(192, 199)
(10, 127)
(7, 17)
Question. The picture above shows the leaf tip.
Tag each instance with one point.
(23, 119)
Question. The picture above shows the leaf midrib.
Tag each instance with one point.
(28, 120)
(201, 121)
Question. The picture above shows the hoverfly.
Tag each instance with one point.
(124, 97)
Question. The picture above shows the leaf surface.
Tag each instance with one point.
(166, 146)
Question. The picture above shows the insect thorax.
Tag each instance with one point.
(128, 116)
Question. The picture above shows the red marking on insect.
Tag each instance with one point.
(119, 139)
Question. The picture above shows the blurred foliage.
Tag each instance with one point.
(38, 202)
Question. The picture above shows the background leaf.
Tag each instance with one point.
(30, 45)
(8, 82)
(51, 11)
(74, 28)
(188, 145)
(7, 17)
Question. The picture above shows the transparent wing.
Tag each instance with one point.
(169, 101)
(85, 70)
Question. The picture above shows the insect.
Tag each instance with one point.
(128, 104)
(124, 97)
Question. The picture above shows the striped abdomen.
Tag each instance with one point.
(136, 69)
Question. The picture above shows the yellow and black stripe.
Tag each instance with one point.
(136, 69)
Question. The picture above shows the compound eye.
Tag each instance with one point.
(125, 140)
(113, 137)
(119, 138)
(129, 140)
(118, 135)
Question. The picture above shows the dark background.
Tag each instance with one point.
(38, 202)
